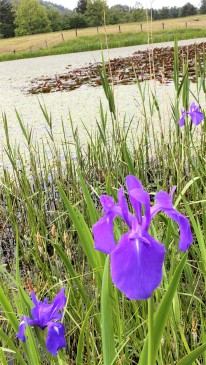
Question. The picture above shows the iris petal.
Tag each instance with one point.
(196, 117)
(122, 203)
(55, 338)
(136, 266)
(22, 328)
(142, 197)
(107, 203)
(103, 234)
(41, 314)
(103, 230)
(34, 299)
(164, 199)
(164, 203)
(181, 121)
(193, 107)
(186, 238)
(133, 183)
(57, 304)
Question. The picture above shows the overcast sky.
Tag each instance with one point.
(71, 4)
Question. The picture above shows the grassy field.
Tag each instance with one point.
(49, 202)
(88, 39)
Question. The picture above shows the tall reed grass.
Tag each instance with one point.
(49, 201)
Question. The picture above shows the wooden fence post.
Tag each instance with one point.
(62, 37)
(119, 29)
(76, 32)
(46, 44)
(163, 25)
(141, 27)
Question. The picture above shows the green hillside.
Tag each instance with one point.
(49, 5)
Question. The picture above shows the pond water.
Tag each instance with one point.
(82, 104)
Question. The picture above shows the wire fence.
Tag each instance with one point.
(43, 41)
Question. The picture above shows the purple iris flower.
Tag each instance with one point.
(195, 114)
(44, 315)
(137, 259)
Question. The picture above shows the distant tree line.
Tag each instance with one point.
(174, 12)
(22, 17)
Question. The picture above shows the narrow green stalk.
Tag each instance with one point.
(150, 332)
(17, 258)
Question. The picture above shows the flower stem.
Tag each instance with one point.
(151, 359)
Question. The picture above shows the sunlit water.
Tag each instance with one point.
(82, 104)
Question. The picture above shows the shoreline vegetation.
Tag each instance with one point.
(126, 70)
(50, 199)
(89, 39)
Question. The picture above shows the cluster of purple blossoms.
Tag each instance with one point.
(45, 315)
(137, 259)
(195, 114)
